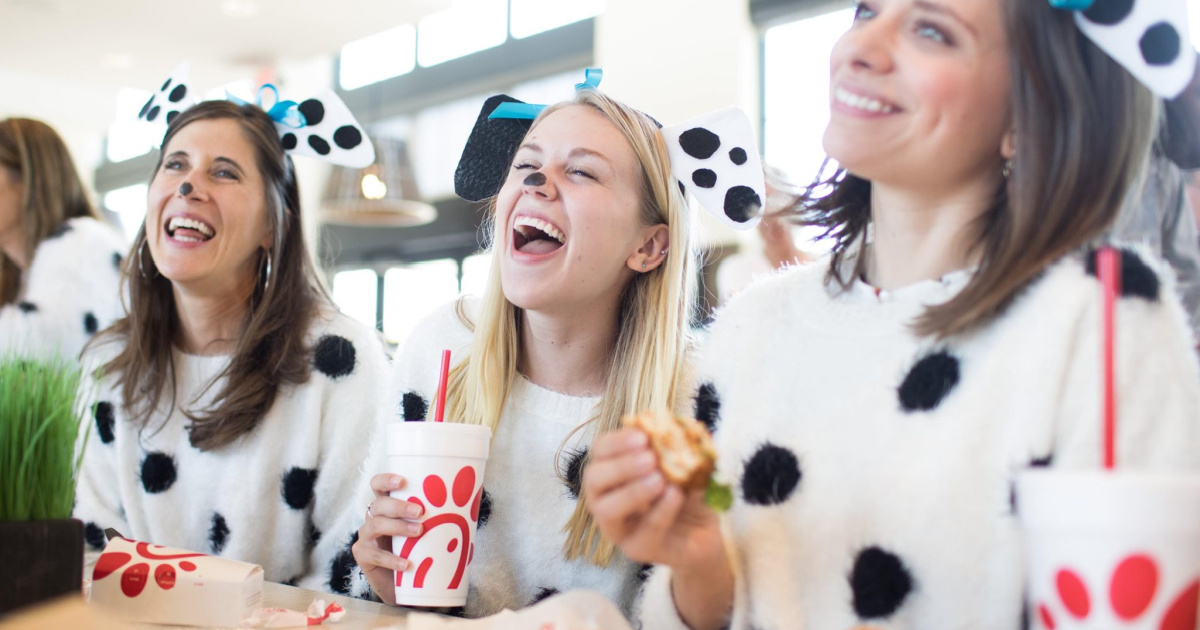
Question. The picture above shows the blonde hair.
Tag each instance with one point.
(647, 360)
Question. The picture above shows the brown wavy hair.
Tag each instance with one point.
(34, 153)
(1083, 126)
(271, 351)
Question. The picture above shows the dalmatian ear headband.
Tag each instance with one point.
(321, 127)
(1149, 38)
(714, 156)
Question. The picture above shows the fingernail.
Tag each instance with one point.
(401, 564)
(413, 511)
(397, 481)
(653, 481)
(414, 529)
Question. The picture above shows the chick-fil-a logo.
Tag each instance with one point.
(435, 492)
(135, 577)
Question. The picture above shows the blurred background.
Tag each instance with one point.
(393, 239)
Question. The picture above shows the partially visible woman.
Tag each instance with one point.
(235, 399)
(60, 264)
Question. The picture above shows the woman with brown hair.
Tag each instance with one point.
(59, 263)
(952, 341)
(234, 400)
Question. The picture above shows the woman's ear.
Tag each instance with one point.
(655, 242)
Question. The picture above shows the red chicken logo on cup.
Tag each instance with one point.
(1134, 589)
(462, 492)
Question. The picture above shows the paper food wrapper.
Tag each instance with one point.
(148, 583)
(573, 610)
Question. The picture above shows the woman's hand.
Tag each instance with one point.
(386, 517)
(656, 522)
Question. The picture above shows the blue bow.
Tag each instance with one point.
(1072, 5)
(529, 111)
(286, 113)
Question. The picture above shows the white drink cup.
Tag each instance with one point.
(1111, 549)
(442, 464)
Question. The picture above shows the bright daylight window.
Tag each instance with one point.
(130, 204)
(377, 57)
(475, 274)
(530, 17)
(354, 294)
(412, 292)
(468, 26)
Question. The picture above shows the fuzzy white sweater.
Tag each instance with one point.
(70, 291)
(873, 469)
(269, 497)
(530, 487)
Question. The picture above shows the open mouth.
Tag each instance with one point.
(535, 237)
(864, 103)
(189, 230)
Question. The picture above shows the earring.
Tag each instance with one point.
(267, 260)
(142, 268)
(643, 265)
(1006, 170)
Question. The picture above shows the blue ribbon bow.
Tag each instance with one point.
(1072, 5)
(529, 111)
(286, 113)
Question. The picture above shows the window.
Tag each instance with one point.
(412, 292)
(468, 26)
(355, 293)
(380, 56)
(130, 204)
(530, 17)
(475, 272)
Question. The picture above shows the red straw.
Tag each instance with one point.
(1108, 267)
(439, 412)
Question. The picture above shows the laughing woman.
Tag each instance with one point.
(234, 398)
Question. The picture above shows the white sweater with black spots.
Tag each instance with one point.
(70, 291)
(268, 497)
(873, 470)
(529, 489)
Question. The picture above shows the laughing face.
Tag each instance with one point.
(207, 216)
(567, 217)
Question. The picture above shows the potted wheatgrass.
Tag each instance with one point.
(41, 547)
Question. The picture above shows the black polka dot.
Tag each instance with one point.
(94, 535)
(413, 408)
(1137, 279)
(218, 534)
(574, 471)
(166, 84)
(297, 487)
(334, 356)
(704, 178)
(347, 137)
(880, 583)
(341, 567)
(59, 230)
(485, 509)
(314, 534)
(171, 116)
(289, 141)
(177, 94)
(737, 155)
(699, 143)
(1160, 44)
(771, 475)
(90, 324)
(707, 406)
(117, 258)
(742, 203)
(643, 572)
(153, 113)
(1109, 12)
(314, 112)
(146, 108)
(1042, 462)
(158, 472)
(928, 382)
(542, 593)
(318, 144)
(103, 412)
(27, 307)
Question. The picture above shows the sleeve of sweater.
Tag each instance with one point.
(97, 497)
(71, 291)
(351, 414)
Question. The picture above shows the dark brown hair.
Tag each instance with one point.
(33, 152)
(271, 350)
(1083, 128)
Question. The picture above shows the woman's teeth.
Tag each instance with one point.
(864, 103)
(527, 226)
(194, 226)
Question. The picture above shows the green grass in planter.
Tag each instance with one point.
(39, 426)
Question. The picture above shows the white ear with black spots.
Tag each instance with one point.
(172, 97)
(1149, 38)
(329, 133)
(716, 159)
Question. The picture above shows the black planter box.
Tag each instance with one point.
(39, 560)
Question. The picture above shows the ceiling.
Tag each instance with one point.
(136, 43)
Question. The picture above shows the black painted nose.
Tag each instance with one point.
(535, 179)
(185, 189)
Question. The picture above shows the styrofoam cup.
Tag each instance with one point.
(1111, 549)
(442, 464)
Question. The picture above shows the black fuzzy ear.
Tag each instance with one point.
(489, 152)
